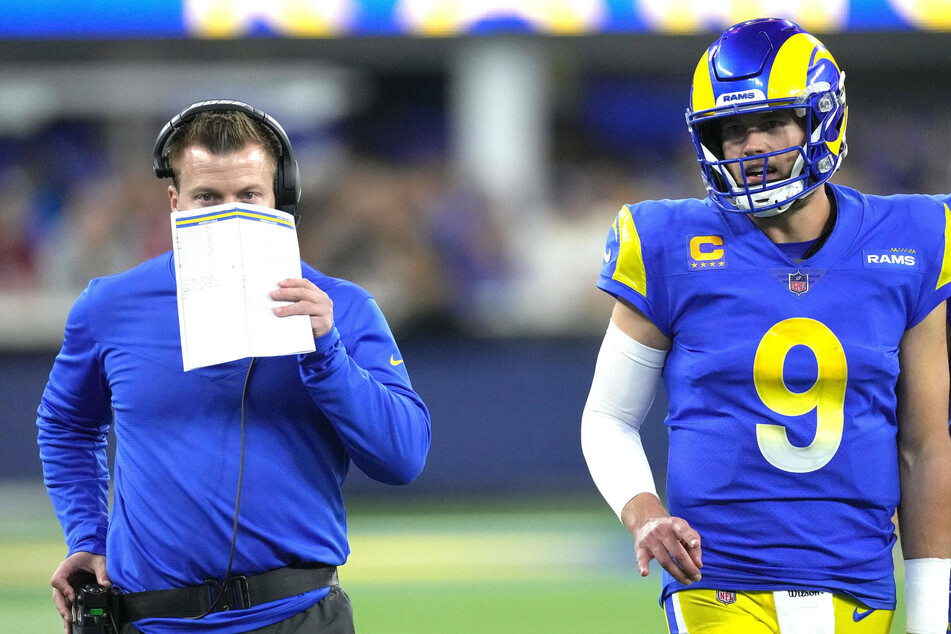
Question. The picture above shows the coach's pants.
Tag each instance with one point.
(331, 615)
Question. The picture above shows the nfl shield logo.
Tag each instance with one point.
(726, 597)
(798, 282)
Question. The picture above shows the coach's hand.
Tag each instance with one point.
(76, 569)
(669, 540)
(308, 300)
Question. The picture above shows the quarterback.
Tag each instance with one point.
(799, 329)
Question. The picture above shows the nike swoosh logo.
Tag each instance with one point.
(858, 616)
(395, 361)
(607, 255)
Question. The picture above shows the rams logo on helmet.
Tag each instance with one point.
(749, 95)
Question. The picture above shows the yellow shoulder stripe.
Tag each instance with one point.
(630, 269)
(945, 276)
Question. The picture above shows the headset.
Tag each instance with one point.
(287, 187)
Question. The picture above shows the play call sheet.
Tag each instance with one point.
(227, 259)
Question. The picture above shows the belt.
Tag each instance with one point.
(237, 593)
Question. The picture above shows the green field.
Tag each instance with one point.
(455, 567)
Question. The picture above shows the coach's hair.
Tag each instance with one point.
(221, 132)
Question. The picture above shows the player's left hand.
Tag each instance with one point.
(308, 300)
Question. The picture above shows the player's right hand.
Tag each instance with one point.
(669, 540)
(80, 567)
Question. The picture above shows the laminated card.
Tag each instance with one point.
(227, 259)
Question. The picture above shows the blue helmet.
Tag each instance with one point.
(766, 65)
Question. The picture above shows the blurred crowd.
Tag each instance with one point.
(439, 255)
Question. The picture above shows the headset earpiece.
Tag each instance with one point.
(287, 187)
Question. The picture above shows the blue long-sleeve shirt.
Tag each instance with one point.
(178, 441)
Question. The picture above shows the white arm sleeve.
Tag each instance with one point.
(625, 380)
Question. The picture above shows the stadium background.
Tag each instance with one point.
(462, 161)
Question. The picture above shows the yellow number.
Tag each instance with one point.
(826, 396)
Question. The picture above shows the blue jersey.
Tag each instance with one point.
(179, 437)
(781, 381)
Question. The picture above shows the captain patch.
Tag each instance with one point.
(705, 252)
